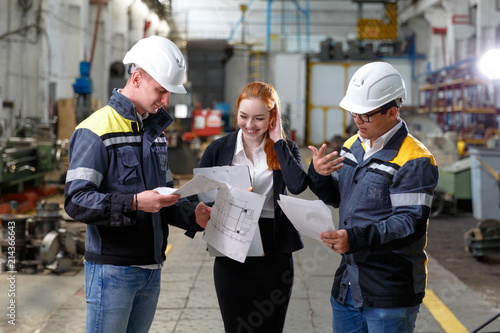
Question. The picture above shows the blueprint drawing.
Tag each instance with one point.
(233, 221)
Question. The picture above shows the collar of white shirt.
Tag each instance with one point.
(239, 144)
(380, 142)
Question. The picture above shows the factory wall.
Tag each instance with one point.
(327, 82)
(41, 46)
(236, 77)
(288, 72)
(42, 43)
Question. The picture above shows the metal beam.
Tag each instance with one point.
(406, 14)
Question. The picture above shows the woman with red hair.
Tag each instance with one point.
(253, 296)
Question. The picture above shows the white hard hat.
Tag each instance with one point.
(373, 85)
(161, 59)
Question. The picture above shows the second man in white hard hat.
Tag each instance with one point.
(383, 185)
(117, 157)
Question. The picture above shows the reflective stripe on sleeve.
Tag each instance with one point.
(86, 174)
(411, 199)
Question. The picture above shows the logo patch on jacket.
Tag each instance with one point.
(374, 193)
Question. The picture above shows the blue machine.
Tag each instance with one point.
(83, 84)
(83, 89)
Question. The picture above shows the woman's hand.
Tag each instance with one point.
(275, 126)
(202, 213)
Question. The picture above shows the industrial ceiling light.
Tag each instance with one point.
(489, 64)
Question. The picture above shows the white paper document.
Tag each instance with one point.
(309, 217)
(237, 176)
(234, 175)
(234, 218)
(233, 221)
(199, 184)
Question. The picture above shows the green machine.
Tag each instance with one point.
(454, 187)
(26, 160)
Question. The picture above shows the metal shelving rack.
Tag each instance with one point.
(465, 105)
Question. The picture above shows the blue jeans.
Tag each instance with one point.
(348, 319)
(120, 298)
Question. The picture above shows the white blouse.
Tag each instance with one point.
(260, 175)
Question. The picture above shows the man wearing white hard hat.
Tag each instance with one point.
(117, 157)
(383, 185)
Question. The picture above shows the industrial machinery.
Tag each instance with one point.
(453, 193)
(25, 159)
(206, 122)
(83, 91)
(27, 153)
(191, 131)
(41, 241)
(484, 239)
(61, 249)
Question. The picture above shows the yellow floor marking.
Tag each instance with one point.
(169, 247)
(442, 314)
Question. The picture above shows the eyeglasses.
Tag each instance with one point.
(366, 117)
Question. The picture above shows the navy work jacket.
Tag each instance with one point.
(113, 156)
(384, 205)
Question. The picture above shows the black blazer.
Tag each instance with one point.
(291, 176)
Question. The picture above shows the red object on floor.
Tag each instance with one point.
(46, 190)
(5, 208)
(26, 201)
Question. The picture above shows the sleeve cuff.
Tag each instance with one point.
(121, 213)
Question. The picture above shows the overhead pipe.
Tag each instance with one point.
(139, 12)
(240, 21)
(268, 26)
(305, 12)
(96, 29)
(448, 68)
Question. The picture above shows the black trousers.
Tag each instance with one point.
(253, 296)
